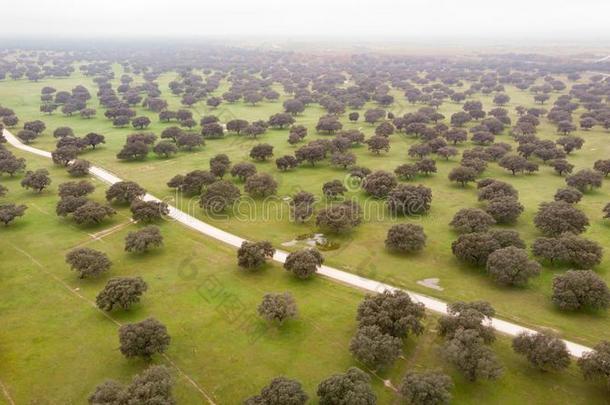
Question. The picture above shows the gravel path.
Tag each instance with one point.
(343, 277)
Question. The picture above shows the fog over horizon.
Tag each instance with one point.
(315, 19)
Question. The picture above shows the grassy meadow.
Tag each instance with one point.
(362, 250)
(56, 346)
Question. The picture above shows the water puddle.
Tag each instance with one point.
(317, 240)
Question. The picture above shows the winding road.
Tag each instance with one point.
(343, 277)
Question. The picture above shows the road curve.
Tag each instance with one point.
(343, 277)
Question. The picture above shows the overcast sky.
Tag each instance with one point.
(417, 19)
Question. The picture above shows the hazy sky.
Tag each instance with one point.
(331, 18)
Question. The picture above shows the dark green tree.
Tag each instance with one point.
(219, 196)
(91, 213)
(395, 313)
(280, 391)
(36, 180)
(511, 266)
(252, 255)
(544, 350)
(429, 388)
(578, 289)
(304, 263)
(406, 238)
(9, 212)
(143, 240)
(339, 218)
(121, 293)
(143, 339)
(124, 192)
(351, 387)
(88, 262)
(277, 307)
(374, 348)
(557, 217)
(148, 211)
(468, 220)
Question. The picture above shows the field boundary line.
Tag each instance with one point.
(62, 282)
(108, 316)
(7, 394)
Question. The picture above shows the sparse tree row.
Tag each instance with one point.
(12, 165)
(141, 339)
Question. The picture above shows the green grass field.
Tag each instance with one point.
(195, 288)
(362, 250)
(57, 347)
